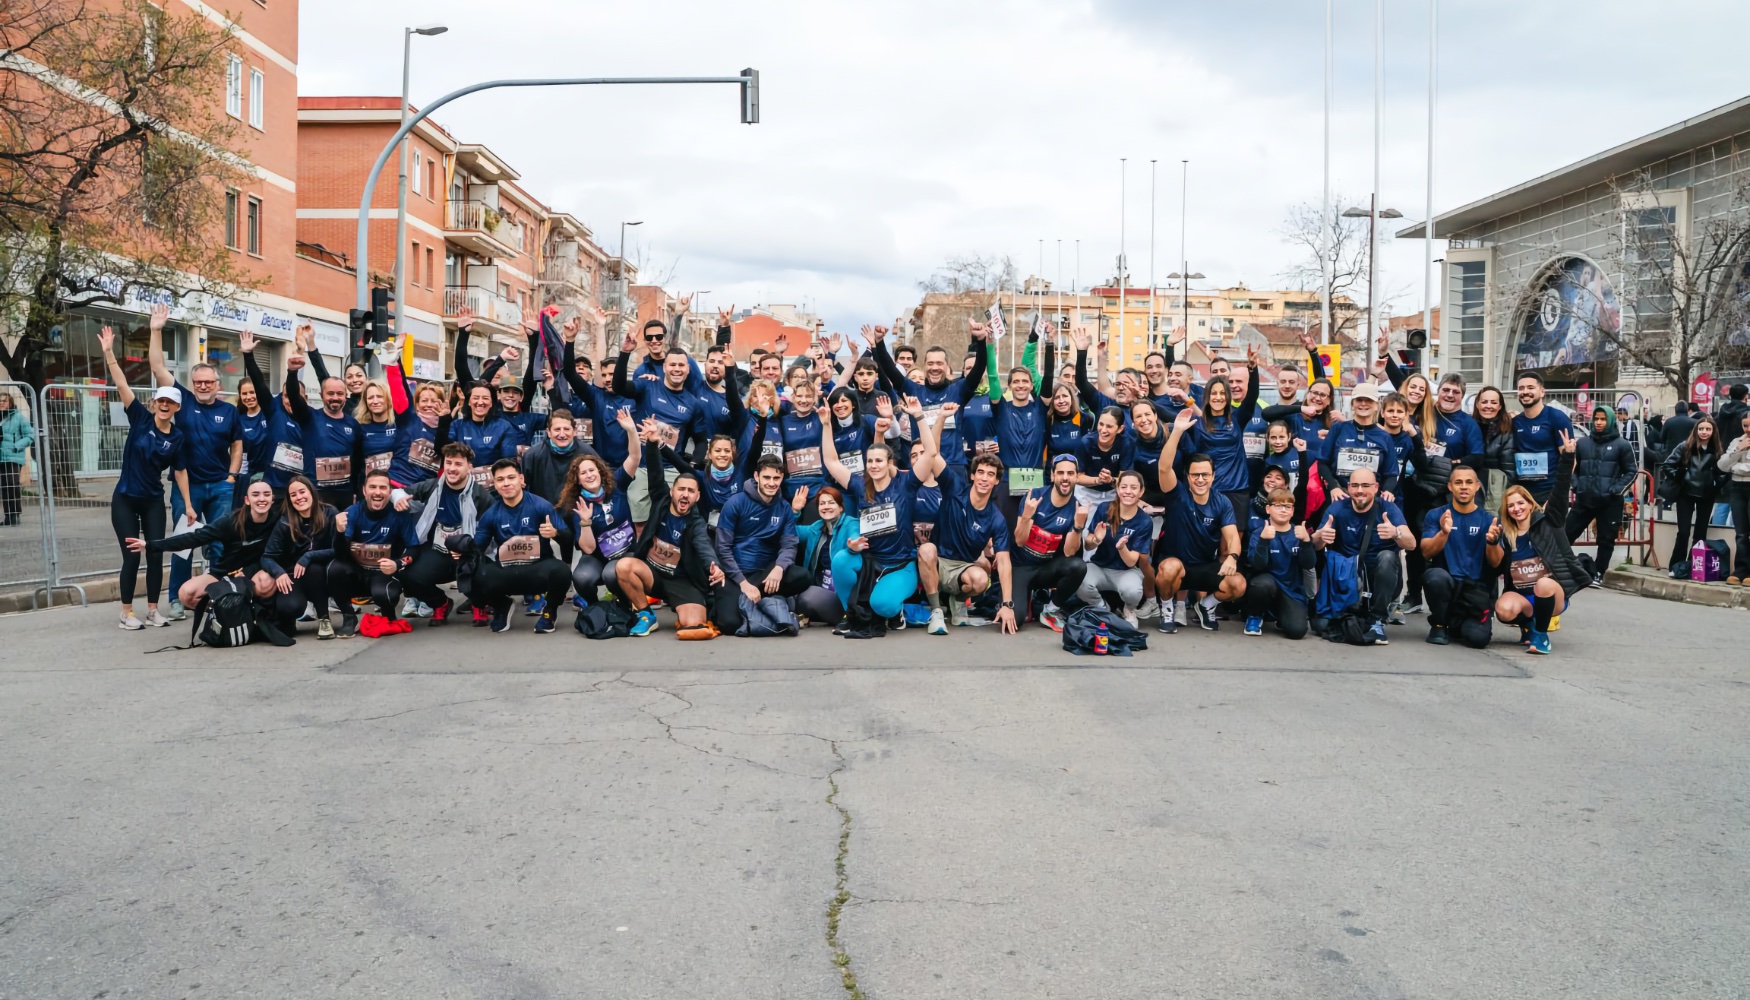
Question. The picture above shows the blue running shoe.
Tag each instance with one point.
(645, 624)
(1539, 643)
(543, 624)
(534, 607)
(1254, 625)
(1378, 633)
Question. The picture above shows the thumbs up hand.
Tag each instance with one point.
(548, 529)
(1327, 534)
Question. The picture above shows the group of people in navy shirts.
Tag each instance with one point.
(859, 486)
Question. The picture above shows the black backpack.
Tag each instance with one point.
(227, 617)
(608, 620)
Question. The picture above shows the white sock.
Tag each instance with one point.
(1209, 602)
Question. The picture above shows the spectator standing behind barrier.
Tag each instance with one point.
(136, 510)
(1604, 469)
(1736, 463)
(1692, 478)
(212, 442)
(16, 437)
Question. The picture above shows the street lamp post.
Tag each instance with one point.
(620, 275)
(748, 81)
(1372, 213)
(1185, 278)
(401, 187)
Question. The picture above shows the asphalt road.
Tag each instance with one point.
(455, 814)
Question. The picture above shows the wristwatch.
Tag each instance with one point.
(1009, 604)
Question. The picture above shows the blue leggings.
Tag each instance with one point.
(891, 590)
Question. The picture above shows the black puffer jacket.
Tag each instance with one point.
(1604, 465)
(1697, 476)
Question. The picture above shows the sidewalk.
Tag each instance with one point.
(1646, 581)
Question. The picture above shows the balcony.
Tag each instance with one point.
(479, 229)
(492, 313)
(567, 271)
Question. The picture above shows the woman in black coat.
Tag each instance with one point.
(1690, 478)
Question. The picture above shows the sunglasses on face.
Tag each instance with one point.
(655, 338)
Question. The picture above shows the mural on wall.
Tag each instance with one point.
(1570, 315)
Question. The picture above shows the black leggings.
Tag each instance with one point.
(311, 588)
(1608, 514)
(1264, 596)
(1063, 574)
(591, 574)
(11, 492)
(494, 586)
(1474, 631)
(426, 572)
(1739, 498)
(1693, 514)
(727, 613)
(820, 604)
(347, 580)
(1415, 567)
(139, 517)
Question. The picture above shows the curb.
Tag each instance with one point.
(1656, 585)
(97, 591)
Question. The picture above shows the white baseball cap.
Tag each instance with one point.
(1364, 390)
(169, 392)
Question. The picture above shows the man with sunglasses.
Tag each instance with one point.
(675, 407)
(212, 451)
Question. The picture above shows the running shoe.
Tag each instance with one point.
(1539, 643)
(1254, 625)
(410, 608)
(1378, 633)
(176, 611)
(156, 620)
(482, 617)
(1597, 581)
(1414, 608)
(1168, 625)
(130, 623)
(441, 614)
(1437, 636)
(1205, 618)
(1129, 618)
(578, 602)
(1395, 614)
(1151, 608)
(938, 623)
(1555, 623)
(896, 623)
(534, 607)
(324, 628)
(970, 621)
(501, 619)
(1051, 618)
(543, 624)
(349, 626)
(645, 624)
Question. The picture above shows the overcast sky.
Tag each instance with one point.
(896, 135)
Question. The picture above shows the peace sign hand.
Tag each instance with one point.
(1569, 443)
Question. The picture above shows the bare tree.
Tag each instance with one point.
(974, 273)
(1346, 259)
(652, 271)
(1681, 304)
(115, 151)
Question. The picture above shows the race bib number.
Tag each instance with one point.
(1435, 449)
(1041, 542)
(378, 462)
(772, 447)
(519, 550)
(1025, 480)
(422, 453)
(1350, 459)
(288, 458)
(852, 460)
(334, 471)
(826, 578)
(585, 428)
(1254, 446)
(369, 554)
(619, 538)
(802, 461)
(442, 532)
(668, 434)
(934, 413)
(665, 556)
(1531, 464)
(1526, 572)
(922, 530)
(879, 519)
(481, 476)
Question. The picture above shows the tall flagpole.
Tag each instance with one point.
(1122, 270)
(1151, 258)
(1325, 205)
(1428, 214)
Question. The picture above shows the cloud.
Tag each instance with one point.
(896, 135)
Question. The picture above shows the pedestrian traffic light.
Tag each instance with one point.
(750, 97)
(380, 298)
(1414, 342)
(359, 323)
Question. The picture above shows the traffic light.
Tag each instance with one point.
(1414, 343)
(750, 97)
(359, 323)
(380, 299)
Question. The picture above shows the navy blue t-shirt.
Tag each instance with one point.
(1191, 531)
(329, 446)
(1536, 442)
(1051, 525)
(502, 524)
(1020, 432)
(665, 548)
(1351, 446)
(384, 534)
(1464, 552)
(962, 529)
(1136, 528)
(207, 432)
(886, 521)
(611, 519)
(147, 454)
(379, 444)
(257, 435)
(1093, 459)
(1350, 524)
(1283, 553)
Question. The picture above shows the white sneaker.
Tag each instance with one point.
(1151, 608)
(1129, 617)
(157, 620)
(129, 622)
(409, 608)
(938, 623)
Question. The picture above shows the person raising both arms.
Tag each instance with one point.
(284, 440)
(1542, 573)
(880, 566)
(1048, 545)
(136, 509)
(674, 559)
(1458, 541)
(1199, 548)
(254, 426)
(937, 389)
(333, 441)
(678, 413)
(1221, 435)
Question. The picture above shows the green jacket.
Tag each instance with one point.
(16, 437)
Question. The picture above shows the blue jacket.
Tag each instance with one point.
(755, 534)
(16, 436)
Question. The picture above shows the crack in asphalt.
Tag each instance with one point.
(866, 900)
(841, 881)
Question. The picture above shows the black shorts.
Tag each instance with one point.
(678, 590)
(1204, 576)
